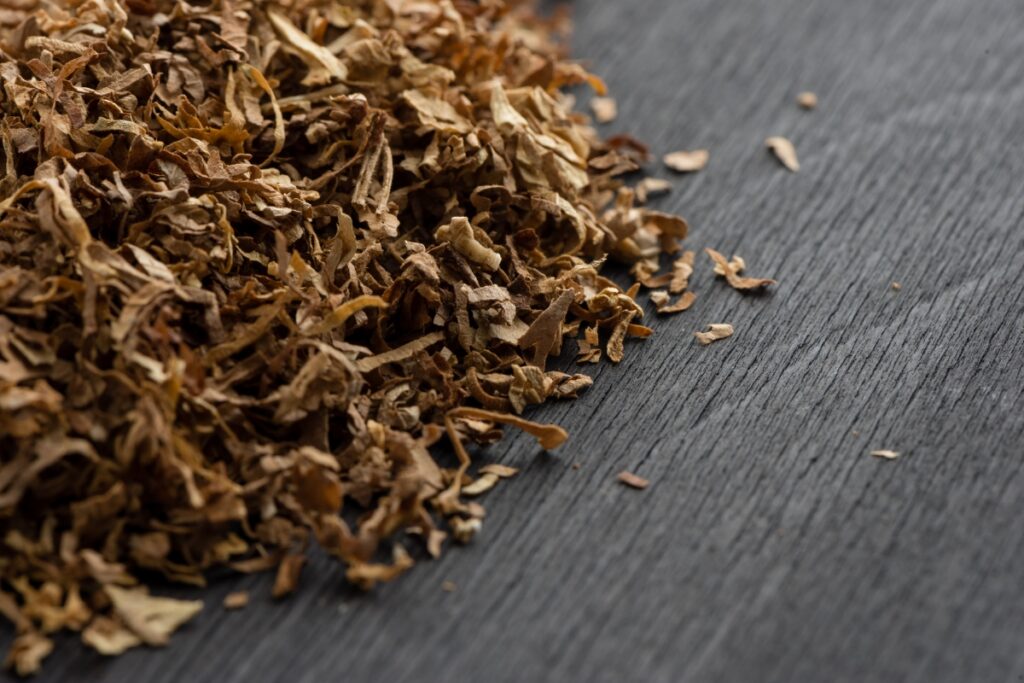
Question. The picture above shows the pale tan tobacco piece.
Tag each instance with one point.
(885, 454)
(503, 471)
(448, 586)
(897, 286)
(236, 600)
(633, 481)
(687, 161)
(737, 263)
(605, 109)
(714, 332)
(152, 619)
(736, 281)
(682, 269)
(784, 151)
(651, 187)
(807, 100)
(663, 305)
(481, 485)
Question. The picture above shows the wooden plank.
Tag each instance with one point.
(769, 546)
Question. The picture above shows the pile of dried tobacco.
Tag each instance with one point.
(256, 259)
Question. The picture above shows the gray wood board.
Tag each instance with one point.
(770, 545)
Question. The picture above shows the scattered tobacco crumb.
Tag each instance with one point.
(687, 161)
(576, 465)
(500, 471)
(896, 286)
(784, 151)
(236, 600)
(651, 187)
(633, 481)
(605, 109)
(714, 332)
(730, 271)
(258, 261)
(807, 100)
(448, 586)
(885, 455)
(736, 265)
(663, 302)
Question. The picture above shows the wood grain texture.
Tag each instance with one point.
(770, 546)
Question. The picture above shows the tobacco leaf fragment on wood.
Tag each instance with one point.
(687, 161)
(885, 454)
(714, 332)
(784, 151)
(651, 187)
(730, 271)
(605, 109)
(807, 100)
(633, 481)
(236, 600)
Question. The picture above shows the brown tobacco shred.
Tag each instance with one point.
(633, 481)
(731, 270)
(885, 454)
(256, 260)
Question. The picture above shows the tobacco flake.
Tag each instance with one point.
(807, 100)
(885, 454)
(687, 161)
(651, 187)
(729, 270)
(236, 600)
(714, 332)
(605, 109)
(633, 481)
(784, 151)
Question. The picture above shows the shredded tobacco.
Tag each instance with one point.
(257, 259)
(885, 454)
(730, 271)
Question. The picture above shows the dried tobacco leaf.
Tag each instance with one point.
(885, 454)
(664, 305)
(633, 481)
(150, 618)
(784, 151)
(731, 270)
(651, 187)
(807, 100)
(687, 161)
(236, 600)
(256, 259)
(605, 109)
(714, 332)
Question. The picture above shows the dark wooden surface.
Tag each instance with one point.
(770, 546)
